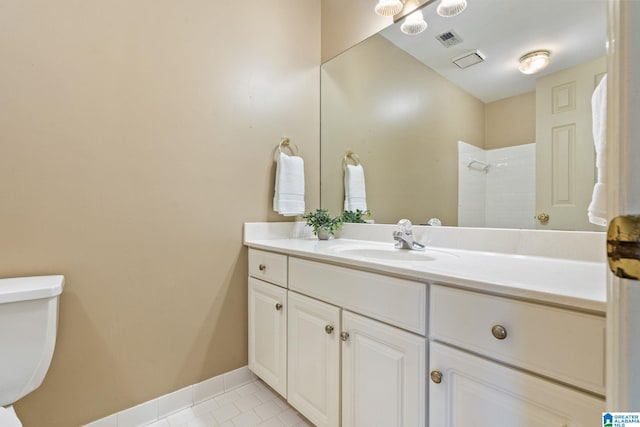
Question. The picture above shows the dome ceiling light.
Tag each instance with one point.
(534, 62)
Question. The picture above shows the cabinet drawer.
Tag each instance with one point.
(560, 344)
(268, 266)
(395, 301)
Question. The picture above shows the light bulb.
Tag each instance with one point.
(449, 8)
(414, 23)
(388, 7)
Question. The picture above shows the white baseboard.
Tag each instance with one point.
(155, 409)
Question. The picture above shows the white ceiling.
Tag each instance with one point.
(504, 30)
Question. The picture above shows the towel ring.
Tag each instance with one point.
(350, 155)
(286, 143)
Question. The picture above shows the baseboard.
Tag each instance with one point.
(155, 409)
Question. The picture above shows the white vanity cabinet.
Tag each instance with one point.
(495, 358)
(268, 320)
(348, 348)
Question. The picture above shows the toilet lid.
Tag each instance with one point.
(8, 417)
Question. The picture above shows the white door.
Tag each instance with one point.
(383, 375)
(314, 359)
(466, 390)
(565, 154)
(268, 333)
(623, 130)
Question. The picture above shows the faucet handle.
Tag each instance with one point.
(405, 226)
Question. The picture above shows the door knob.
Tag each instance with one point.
(262, 267)
(623, 246)
(436, 377)
(344, 336)
(543, 218)
(278, 306)
(328, 329)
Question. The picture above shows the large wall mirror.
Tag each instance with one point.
(480, 145)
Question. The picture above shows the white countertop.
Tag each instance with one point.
(572, 283)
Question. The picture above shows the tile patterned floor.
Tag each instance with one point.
(252, 405)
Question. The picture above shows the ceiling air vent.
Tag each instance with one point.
(449, 38)
(468, 59)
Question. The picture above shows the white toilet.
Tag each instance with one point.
(28, 324)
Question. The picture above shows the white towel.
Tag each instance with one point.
(597, 210)
(355, 196)
(289, 197)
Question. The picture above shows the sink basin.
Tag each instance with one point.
(389, 253)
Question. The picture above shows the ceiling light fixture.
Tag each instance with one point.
(414, 23)
(388, 7)
(535, 61)
(449, 8)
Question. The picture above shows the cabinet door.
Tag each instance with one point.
(314, 359)
(383, 375)
(268, 333)
(477, 392)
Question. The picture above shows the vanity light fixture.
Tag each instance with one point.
(414, 23)
(449, 8)
(388, 7)
(534, 61)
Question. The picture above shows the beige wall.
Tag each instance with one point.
(404, 121)
(511, 121)
(136, 137)
(346, 23)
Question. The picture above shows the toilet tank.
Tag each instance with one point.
(28, 325)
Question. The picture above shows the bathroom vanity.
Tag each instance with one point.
(353, 332)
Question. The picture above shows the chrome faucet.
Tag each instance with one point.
(404, 237)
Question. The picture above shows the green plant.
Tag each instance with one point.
(355, 216)
(321, 219)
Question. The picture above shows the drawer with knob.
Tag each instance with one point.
(399, 302)
(268, 266)
(563, 345)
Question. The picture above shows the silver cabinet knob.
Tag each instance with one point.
(344, 336)
(328, 329)
(436, 377)
(262, 267)
(278, 306)
(499, 331)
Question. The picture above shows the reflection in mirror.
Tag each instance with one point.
(479, 146)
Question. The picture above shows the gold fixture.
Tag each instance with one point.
(350, 155)
(344, 336)
(278, 306)
(436, 377)
(262, 267)
(543, 218)
(328, 329)
(623, 246)
(286, 143)
(534, 62)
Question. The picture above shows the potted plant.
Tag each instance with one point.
(355, 216)
(323, 224)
